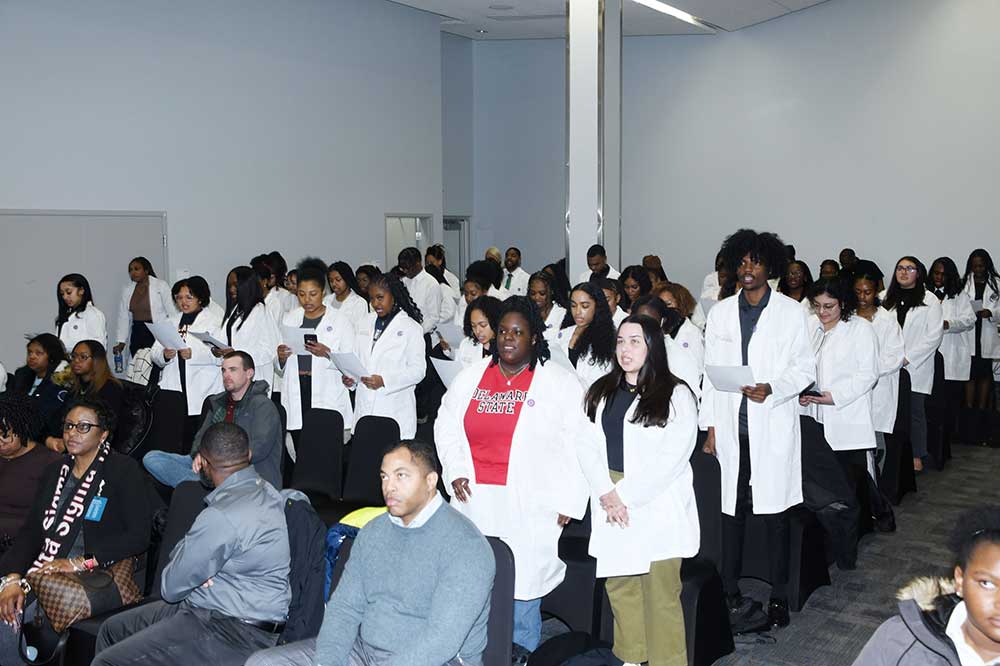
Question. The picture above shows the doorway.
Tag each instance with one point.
(456, 244)
(402, 231)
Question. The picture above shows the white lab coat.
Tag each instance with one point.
(846, 366)
(585, 276)
(202, 375)
(518, 281)
(543, 478)
(469, 352)
(90, 324)
(259, 336)
(454, 283)
(3, 378)
(885, 396)
(328, 391)
(587, 372)
(426, 293)
(698, 317)
(354, 309)
(657, 490)
(618, 316)
(398, 357)
(989, 338)
(682, 365)
(275, 305)
(710, 286)
(779, 354)
(554, 322)
(216, 309)
(691, 339)
(958, 342)
(448, 305)
(922, 333)
(161, 306)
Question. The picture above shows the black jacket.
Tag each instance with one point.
(123, 531)
(307, 575)
(48, 399)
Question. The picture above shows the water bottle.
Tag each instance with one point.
(119, 363)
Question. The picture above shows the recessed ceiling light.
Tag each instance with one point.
(481, 31)
(502, 8)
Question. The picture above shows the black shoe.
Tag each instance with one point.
(885, 523)
(746, 615)
(519, 655)
(777, 613)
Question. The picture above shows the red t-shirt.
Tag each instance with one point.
(490, 421)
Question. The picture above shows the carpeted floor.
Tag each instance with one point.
(838, 620)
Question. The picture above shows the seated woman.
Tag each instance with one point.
(480, 330)
(945, 621)
(78, 318)
(22, 461)
(91, 377)
(109, 485)
(35, 380)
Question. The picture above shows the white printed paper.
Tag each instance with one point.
(451, 334)
(209, 340)
(730, 378)
(295, 338)
(447, 370)
(349, 364)
(166, 334)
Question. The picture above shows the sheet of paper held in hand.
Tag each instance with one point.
(295, 338)
(447, 370)
(349, 364)
(166, 334)
(730, 378)
(209, 340)
(451, 334)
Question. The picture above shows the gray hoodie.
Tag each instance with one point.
(916, 637)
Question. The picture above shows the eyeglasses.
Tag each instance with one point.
(906, 269)
(80, 357)
(82, 427)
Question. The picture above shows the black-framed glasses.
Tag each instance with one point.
(80, 357)
(906, 269)
(82, 427)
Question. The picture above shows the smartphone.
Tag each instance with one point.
(310, 337)
(811, 391)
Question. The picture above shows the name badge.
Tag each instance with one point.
(96, 509)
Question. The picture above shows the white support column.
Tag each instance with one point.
(593, 146)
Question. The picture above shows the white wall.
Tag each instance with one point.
(856, 122)
(457, 108)
(256, 125)
(520, 148)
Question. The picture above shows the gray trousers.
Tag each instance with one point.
(162, 634)
(304, 652)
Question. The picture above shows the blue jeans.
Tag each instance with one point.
(170, 469)
(528, 623)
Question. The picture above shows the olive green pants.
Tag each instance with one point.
(649, 622)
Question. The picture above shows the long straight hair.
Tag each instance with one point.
(102, 371)
(248, 294)
(598, 340)
(655, 384)
(66, 311)
(992, 278)
(908, 298)
(347, 274)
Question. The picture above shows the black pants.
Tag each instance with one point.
(734, 529)
(287, 465)
(140, 338)
(162, 634)
(173, 430)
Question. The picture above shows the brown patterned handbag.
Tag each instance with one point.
(70, 597)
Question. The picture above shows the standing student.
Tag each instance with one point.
(189, 375)
(597, 264)
(507, 430)
(644, 423)
(312, 381)
(711, 287)
(838, 430)
(588, 334)
(919, 314)
(365, 274)
(654, 269)
(755, 432)
(686, 357)
(448, 305)
(515, 278)
(544, 296)
(435, 256)
(345, 294)
(198, 284)
(145, 299)
(423, 289)
(829, 269)
(248, 326)
(678, 297)
(78, 318)
(635, 284)
(493, 254)
(959, 333)
(982, 285)
(391, 348)
(612, 293)
(480, 325)
(796, 281)
(889, 335)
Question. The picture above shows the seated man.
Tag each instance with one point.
(245, 403)
(225, 591)
(416, 589)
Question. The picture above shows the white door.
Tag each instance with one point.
(403, 231)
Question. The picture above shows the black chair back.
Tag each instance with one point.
(372, 435)
(319, 462)
(500, 626)
(186, 503)
(338, 568)
(708, 496)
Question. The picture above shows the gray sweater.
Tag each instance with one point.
(421, 593)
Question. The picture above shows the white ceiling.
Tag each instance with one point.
(543, 19)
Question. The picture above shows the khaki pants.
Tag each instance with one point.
(649, 622)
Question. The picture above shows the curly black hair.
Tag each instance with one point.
(400, 294)
(525, 307)
(952, 280)
(312, 269)
(18, 416)
(765, 247)
(975, 526)
(106, 418)
(599, 338)
(838, 288)
(490, 307)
